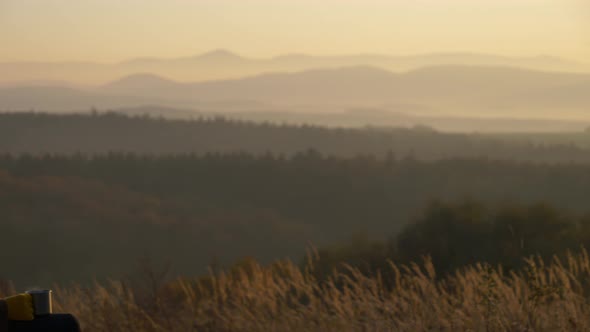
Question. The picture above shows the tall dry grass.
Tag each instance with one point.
(546, 296)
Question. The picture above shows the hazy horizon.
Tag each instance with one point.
(226, 64)
(112, 31)
(520, 59)
(286, 54)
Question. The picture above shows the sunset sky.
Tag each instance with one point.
(115, 30)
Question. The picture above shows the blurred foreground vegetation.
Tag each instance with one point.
(551, 295)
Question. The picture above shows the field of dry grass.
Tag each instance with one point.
(546, 296)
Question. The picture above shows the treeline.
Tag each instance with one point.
(39, 133)
(95, 215)
(465, 232)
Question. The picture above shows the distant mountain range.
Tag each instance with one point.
(433, 91)
(223, 64)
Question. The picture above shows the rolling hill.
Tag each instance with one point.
(223, 64)
(437, 91)
(457, 85)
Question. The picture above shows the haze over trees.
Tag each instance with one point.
(433, 91)
(101, 133)
(461, 92)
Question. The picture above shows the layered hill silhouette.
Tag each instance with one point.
(59, 98)
(223, 64)
(365, 85)
(439, 90)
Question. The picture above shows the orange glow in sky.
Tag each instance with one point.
(114, 30)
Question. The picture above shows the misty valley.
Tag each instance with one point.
(263, 165)
(189, 196)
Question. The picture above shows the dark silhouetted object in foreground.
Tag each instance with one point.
(48, 323)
